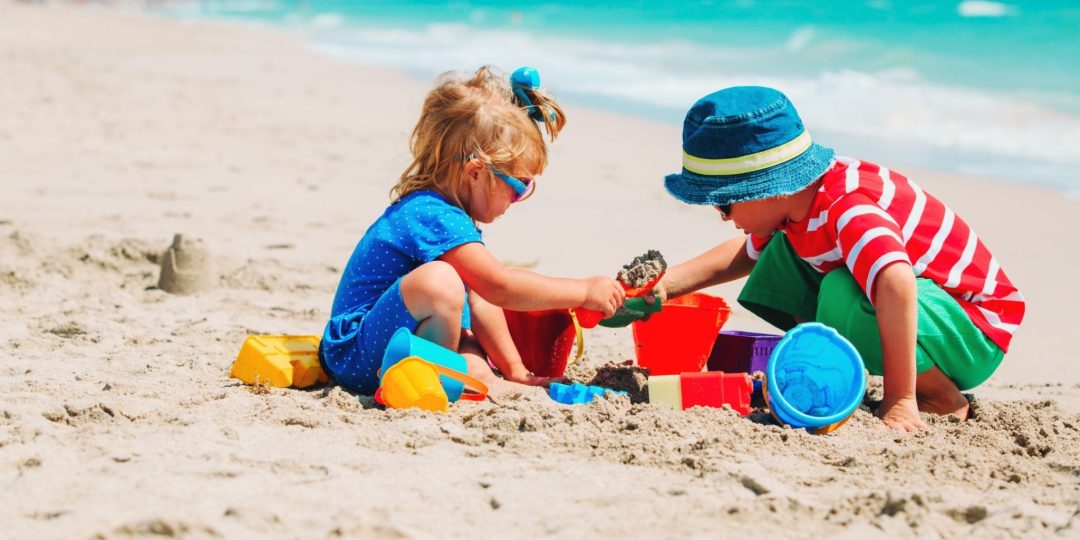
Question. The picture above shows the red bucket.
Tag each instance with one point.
(680, 337)
(545, 339)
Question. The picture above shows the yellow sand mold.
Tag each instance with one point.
(279, 361)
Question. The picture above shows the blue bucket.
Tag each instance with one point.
(815, 379)
(404, 344)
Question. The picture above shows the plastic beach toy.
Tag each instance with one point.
(413, 382)
(680, 338)
(577, 393)
(815, 379)
(747, 352)
(635, 308)
(404, 344)
(702, 389)
(279, 361)
(545, 339)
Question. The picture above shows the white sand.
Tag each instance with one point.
(118, 418)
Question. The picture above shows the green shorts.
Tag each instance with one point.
(784, 289)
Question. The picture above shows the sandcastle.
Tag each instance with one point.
(187, 267)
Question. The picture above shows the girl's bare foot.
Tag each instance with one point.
(501, 390)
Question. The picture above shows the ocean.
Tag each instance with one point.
(973, 87)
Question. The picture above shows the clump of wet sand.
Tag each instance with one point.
(626, 377)
(643, 269)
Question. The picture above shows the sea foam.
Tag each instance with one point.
(894, 104)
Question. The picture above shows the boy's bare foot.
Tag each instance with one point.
(937, 394)
(931, 405)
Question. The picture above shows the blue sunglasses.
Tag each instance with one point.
(522, 187)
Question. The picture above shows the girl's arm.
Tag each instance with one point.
(489, 327)
(522, 290)
(723, 263)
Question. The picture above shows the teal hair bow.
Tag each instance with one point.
(525, 79)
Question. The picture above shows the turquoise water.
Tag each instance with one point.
(974, 86)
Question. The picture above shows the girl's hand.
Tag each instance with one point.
(524, 376)
(604, 294)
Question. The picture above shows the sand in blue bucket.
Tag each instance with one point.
(815, 378)
(404, 344)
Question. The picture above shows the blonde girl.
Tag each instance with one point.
(477, 149)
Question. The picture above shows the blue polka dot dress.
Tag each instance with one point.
(368, 306)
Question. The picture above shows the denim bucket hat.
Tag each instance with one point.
(745, 143)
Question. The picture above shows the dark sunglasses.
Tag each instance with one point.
(725, 209)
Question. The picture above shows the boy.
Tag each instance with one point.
(850, 244)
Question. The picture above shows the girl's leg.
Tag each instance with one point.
(429, 301)
(492, 332)
(498, 388)
(435, 296)
(353, 344)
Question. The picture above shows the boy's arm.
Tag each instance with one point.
(723, 263)
(896, 295)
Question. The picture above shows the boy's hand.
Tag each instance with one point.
(902, 415)
(604, 294)
(656, 295)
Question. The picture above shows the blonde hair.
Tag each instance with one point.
(476, 116)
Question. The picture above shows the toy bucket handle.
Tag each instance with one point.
(579, 339)
(479, 389)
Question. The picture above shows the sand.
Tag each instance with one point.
(643, 269)
(118, 419)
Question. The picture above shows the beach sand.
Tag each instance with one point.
(118, 418)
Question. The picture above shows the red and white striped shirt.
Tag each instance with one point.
(866, 217)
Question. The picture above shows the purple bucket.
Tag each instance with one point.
(744, 352)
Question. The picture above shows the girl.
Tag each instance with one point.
(477, 149)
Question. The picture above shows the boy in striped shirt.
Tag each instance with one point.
(847, 243)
